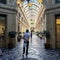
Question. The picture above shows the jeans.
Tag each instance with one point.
(27, 46)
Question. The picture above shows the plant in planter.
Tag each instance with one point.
(47, 34)
(11, 35)
(19, 37)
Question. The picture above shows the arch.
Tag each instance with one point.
(27, 9)
(31, 18)
(31, 9)
(30, 12)
(32, 4)
(30, 15)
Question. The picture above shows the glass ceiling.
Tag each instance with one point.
(31, 10)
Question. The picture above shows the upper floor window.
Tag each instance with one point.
(3, 1)
(57, 1)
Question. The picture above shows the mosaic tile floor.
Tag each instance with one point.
(36, 52)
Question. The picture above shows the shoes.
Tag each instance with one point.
(26, 55)
(23, 55)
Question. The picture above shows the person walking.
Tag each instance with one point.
(31, 36)
(26, 42)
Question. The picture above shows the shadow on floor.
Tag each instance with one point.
(29, 59)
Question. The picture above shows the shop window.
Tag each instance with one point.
(57, 30)
(3, 1)
(2, 25)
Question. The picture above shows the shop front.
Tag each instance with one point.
(58, 31)
(2, 30)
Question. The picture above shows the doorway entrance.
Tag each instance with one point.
(58, 31)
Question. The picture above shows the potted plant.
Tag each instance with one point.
(11, 35)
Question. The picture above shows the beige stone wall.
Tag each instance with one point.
(11, 24)
(52, 9)
(11, 2)
(48, 4)
(10, 11)
(50, 22)
(50, 26)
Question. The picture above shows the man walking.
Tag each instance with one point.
(31, 36)
(26, 42)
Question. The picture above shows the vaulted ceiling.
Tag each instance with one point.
(31, 10)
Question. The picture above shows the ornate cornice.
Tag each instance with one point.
(8, 7)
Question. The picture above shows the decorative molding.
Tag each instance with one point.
(12, 2)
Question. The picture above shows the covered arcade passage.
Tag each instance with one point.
(32, 12)
(42, 17)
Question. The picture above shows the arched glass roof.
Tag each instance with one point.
(32, 9)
